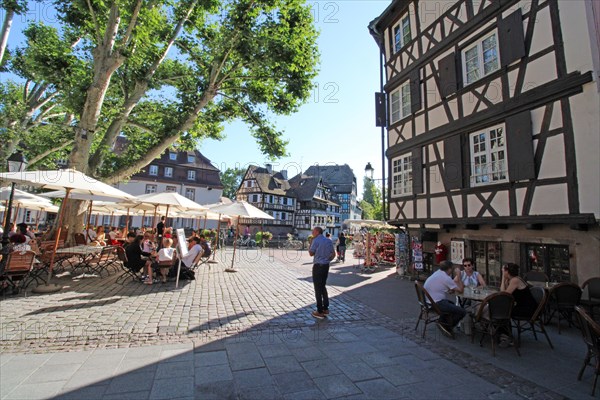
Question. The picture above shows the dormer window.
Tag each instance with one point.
(191, 158)
(172, 156)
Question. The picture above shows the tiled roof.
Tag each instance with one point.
(339, 178)
(272, 183)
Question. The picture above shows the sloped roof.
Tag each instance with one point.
(339, 178)
(272, 183)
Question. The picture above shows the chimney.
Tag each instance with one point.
(269, 168)
(284, 173)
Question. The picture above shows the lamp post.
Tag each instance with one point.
(16, 163)
(369, 170)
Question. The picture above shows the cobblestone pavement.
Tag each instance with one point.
(249, 334)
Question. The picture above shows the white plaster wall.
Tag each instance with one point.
(500, 203)
(440, 208)
(458, 204)
(576, 36)
(585, 109)
(553, 161)
(540, 71)
(542, 34)
(422, 208)
(550, 200)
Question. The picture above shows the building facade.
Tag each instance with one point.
(493, 138)
(317, 205)
(269, 191)
(188, 173)
(342, 181)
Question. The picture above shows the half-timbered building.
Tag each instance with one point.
(493, 130)
(317, 205)
(269, 191)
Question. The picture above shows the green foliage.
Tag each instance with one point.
(262, 238)
(231, 179)
(372, 202)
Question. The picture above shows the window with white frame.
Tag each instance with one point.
(191, 158)
(402, 175)
(150, 189)
(171, 189)
(153, 170)
(191, 175)
(172, 156)
(480, 59)
(168, 172)
(488, 156)
(400, 103)
(402, 33)
(190, 193)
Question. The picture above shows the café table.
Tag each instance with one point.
(545, 285)
(475, 294)
(82, 255)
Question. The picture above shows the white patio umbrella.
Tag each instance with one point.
(71, 181)
(239, 209)
(22, 199)
(169, 200)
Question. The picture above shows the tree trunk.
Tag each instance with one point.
(6, 25)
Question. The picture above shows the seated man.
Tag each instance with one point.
(194, 248)
(440, 284)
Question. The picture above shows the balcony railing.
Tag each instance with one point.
(269, 206)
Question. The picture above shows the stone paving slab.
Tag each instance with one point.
(244, 335)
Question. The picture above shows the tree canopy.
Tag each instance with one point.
(372, 202)
(159, 72)
(231, 179)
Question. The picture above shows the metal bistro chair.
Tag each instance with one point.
(541, 297)
(590, 331)
(593, 294)
(430, 312)
(563, 299)
(126, 271)
(103, 261)
(18, 265)
(499, 306)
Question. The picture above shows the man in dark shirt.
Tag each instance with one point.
(160, 230)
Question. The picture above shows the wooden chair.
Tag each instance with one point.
(536, 276)
(590, 330)
(79, 239)
(536, 320)
(563, 299)
(499, 307)
(430, 312)
(593, 294)
(18, 268)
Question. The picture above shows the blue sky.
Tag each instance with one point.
(337, 124)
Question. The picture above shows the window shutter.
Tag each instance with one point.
(453, 165)
(511, 38)
(415, 91)
(519, 147)
(380, 119)
(417, 170)
(447, 69)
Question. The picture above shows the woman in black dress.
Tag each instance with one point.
(525, 304)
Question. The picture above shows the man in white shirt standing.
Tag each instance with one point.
(439, 285)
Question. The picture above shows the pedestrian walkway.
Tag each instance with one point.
(249, 335)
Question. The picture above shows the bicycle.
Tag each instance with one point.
(290, 243)
(246, 241)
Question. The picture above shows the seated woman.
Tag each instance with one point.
(136, 257)
(525, 304)
(164, 259)
(100, 239)
(469, 276)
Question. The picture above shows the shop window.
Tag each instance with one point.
(488, 261)
(553, 260)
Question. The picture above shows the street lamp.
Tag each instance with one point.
(16, 163)
(369, 171)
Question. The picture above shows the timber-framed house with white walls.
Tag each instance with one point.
(493, 130)
(317, 205)
(269, 191)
